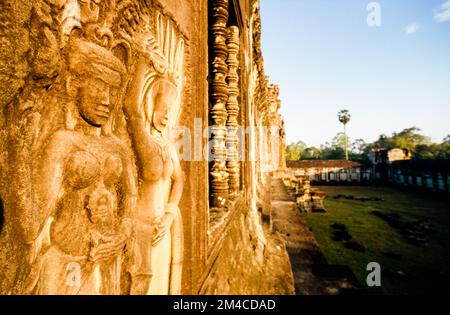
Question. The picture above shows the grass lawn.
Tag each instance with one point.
(427, 267)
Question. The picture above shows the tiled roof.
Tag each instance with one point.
(323, 164)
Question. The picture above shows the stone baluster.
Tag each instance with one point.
(233, 110)
(218, 112)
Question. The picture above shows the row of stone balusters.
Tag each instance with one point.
(233, 110)
(224, 172)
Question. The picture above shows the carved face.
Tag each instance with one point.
(165, 96)
(95, 103)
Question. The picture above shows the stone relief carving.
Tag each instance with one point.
(94, 193)
(152, 109)
(224, 113)
(90, 181)
(218, 173)
(233, 110)
(84, 186)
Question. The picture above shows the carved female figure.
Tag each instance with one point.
(152, 105)
(85, 186)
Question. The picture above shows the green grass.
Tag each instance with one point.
(427, 266)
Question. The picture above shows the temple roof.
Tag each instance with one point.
(324, 164)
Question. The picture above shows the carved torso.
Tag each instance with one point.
(88, 203)
(158, 165)
(157, 169)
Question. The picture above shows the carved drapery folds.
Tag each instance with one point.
(218, 113)
(233, 110)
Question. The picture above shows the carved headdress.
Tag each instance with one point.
(89, 59)
(171, 47)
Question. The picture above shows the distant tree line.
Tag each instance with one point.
(420, 147)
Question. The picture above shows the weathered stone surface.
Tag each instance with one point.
(99, 192)
(243, 261)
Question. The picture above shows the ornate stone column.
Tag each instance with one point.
(233, 110)
(218, 171)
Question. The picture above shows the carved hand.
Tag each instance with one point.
(148, 47)
(162, 228)
(149, 53)
(109, 247)
(98, 214)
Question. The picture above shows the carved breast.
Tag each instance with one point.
(90, 199)
(82, 169)
(158, 165)
(154, 167)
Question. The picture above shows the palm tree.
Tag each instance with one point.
(344, 118)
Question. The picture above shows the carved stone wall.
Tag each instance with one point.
(219, 95)
(233, 108)
(104, 113)
(242, 263)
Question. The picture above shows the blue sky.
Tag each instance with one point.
(325, 58)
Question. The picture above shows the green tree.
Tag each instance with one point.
(432, 151)
(311, 153)
(443, 151)
(383, 142)
(358, 146)
(424, 151)
(340, 140)
(332, 153)
(294, 150)
(344, 117)
(409, 138)
(447, 139)
(335, 149)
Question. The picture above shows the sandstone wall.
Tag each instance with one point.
(244, 261)
(200, 58)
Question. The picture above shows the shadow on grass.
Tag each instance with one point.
(407, 234)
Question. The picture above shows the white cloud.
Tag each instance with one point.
(444, 15)
(411, 29)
